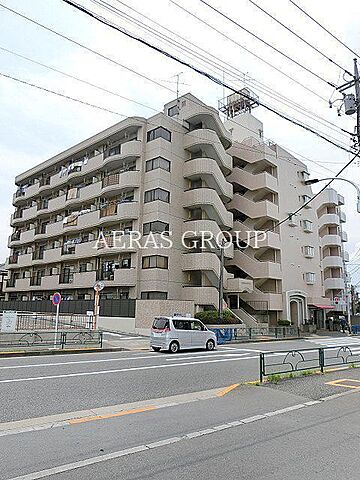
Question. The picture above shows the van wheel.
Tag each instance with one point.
(156, 349)
(174, 347)
(210, 345)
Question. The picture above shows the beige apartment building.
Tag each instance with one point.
(171, 177)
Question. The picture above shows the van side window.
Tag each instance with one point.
(182, 324)
(196, 326)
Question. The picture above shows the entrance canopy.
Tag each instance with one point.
(323, 307)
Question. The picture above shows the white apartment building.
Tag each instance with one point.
(171, 176)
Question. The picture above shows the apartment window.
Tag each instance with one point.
(83, 267)
(159, 132)
(158, 162)
(307, 226)
(309, 251)
(310, 278)
(155, 227)
(305, 199)
(292, 220)
(303, 175)
(157, 194)
(154, 295)
(172, 111)
(155, 261)
(195, 214)
(195, 183)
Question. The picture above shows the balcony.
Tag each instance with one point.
(342, 216)
(208, 141)
(341, 199)
(271, 240)
(92, 165)
(264, 208)
(329, 240)
(124, 277)
(13, 259)
(25, 260)
(126, 151)
(29, 213)
(52, 255)
(334, 284)
(344, 236)
(201, 295)
(18, 285)
(207, 169)
(253, 181)
(329, 197)
(239, 285)
(211, 203)
(255, 268)
(329, 219)
(206, 262)
(332, 261)
(346, 256)
(114, 183)
(27, 236)
(83, 280)
(274, 301)
(252, 151)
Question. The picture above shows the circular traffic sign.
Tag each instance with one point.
(99, 286)
(56, 298)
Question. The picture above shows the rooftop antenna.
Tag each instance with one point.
(178, 83)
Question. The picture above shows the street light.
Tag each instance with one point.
(316, 180)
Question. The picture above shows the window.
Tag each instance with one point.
(194, 325)
(182, 324)
(158, 162)
(303, 175)
(172, 111)
(159, 132)
(195, 183)
(154, 296)
(309, 251)
(310, 278)
(155, 227)
(157, 194)
(161, 323)
(155, 261)
(83, 267)
(305, 199)
(307, 226)
(195, 214)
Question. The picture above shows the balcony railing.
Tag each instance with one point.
(15, 236)
(109, 210)
(19, 193)
(18, 214)
(44, 181)
(111, 180)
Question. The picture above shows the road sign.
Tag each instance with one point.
(56, 298)
(99, 286)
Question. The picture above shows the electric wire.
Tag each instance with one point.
(324, 28)
(319, 77)
(196, 69)
(299, 37)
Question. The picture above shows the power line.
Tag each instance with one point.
(300, 38)
(197, 70)
(325, 29)
(319, 77)
(75, 78)
(276, 95)
(110, 59)
(60, 94)
(250, 52)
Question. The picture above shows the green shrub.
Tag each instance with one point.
(284, 323)
(210, 317)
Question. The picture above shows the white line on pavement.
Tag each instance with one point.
(158, 444)
(120, 370)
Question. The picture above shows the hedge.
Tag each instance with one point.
(211, 317)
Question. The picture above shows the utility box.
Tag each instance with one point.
(350, 104)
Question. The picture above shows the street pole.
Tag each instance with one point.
(357, 97)
(221, 283)
(56, 323)
(96, 308)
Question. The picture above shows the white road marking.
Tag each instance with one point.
(130, 369)
(209, 356)
(158, 444)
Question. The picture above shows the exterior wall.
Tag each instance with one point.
(146, 310)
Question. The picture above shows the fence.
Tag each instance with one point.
(39, 321)
(289, 361)
(240, 333)
(47, 339)
(108, 307)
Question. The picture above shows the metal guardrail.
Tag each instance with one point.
(47, 339)
(36, 321)
(230, 334)
(289, 361)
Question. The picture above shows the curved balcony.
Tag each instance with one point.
(255, 268)
(264, 208)
(332, 261)
(329, 240)
(329, 219)
(207, 169)
(194, 228)
(252, 151)
(29, 192)
(27, 236)
(127, 151)
(208, 141)
(211, 203)
(344, 236)
(196, 113)
(201, 295)
(263, 239)
(346, 256)
(20, 285)
(114, 183)
(334, 284)
(207, 262)
(329, 197)
(93, 164)
(342, 216)
(253, 181)
(24, 260)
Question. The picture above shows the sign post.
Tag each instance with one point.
(56, 300)
(97, 287)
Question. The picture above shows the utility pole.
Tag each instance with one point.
(221, 281)
(357, 99)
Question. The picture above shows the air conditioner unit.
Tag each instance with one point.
(91, 237)
(89, 267)
(57, 244)
(27, 274)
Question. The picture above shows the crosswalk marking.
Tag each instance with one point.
(334, 342)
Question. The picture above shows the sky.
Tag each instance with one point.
(35, 125)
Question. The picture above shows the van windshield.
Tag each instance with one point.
(161, 323)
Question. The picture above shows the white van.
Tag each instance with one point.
(175, 333)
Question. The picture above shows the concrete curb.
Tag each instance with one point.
(34, 353)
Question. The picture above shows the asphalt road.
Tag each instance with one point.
(316, 440)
